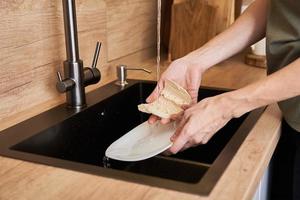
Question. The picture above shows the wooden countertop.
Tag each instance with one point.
(25, 180)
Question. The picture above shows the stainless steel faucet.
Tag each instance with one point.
(122, 74)
(76, 77)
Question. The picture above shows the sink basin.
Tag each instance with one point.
(77, 140)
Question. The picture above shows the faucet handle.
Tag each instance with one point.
(92, 75)
(96, 54)
(64, 85)
(59, 76)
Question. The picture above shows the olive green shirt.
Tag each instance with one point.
(283, 47)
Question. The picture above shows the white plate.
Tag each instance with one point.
(142, 142)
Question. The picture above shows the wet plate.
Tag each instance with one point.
(142, 142)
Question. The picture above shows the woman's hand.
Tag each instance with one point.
(201, 121)
(185, 74)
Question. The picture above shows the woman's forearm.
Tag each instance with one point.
(246, 30)
(281, 85)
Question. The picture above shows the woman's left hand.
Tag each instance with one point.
(200, 122)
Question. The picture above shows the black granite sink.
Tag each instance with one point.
(77, 140)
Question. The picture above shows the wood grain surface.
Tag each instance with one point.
(193, 23)
(130, 26)
(32, 45)
(225, 13)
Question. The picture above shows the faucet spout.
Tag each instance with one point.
(70, 24)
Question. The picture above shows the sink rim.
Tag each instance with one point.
(10, 137)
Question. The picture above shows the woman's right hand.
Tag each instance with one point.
(184, 73)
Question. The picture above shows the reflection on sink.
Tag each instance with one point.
(78, 141)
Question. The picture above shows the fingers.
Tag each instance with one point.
(181, 136)
(179, 129)
(206, 138)
(178, 144)
(166, 153)
(152, 119)
(187, 146)
(184, 138)
(165, 121)
(177, 117)
(185, 107)
(194, 94)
